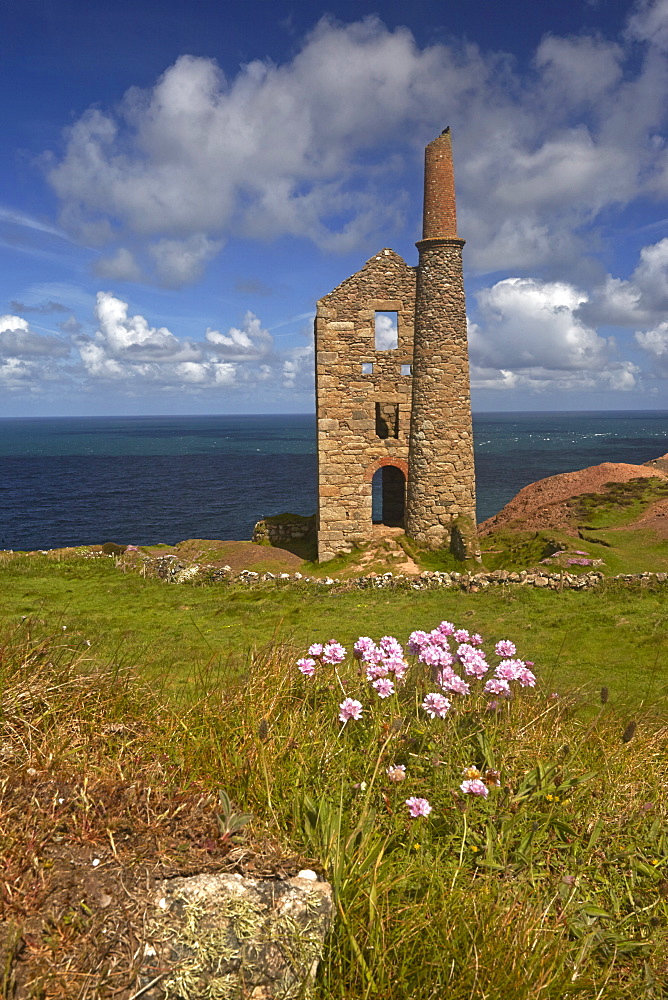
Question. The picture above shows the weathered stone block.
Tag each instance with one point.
(226, 936)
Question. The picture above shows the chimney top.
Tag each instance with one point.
(440, 213)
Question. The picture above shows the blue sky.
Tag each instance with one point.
(180, 182)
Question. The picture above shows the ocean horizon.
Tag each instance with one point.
(150, 479)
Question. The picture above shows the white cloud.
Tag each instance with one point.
(386, 331)
(17, 340)
(136, 357)
(531, 336)
(132, 337)
(531, 323)
(249, 342)
(180, 262)
(312, 150)
(654, 343)
(120, 266)
(650, 22)
(641, 299)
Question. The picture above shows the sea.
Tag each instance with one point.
(146, 480)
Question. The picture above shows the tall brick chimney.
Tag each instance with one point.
(440, 505)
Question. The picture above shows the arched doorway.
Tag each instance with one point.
(388, 496)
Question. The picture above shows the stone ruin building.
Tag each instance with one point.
(392, 389)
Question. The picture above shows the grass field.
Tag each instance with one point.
(617, 636)
(555, 885)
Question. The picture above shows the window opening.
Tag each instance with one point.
(387, 420)
(388, 496)
(406, 369)
(367, 368)
(387, 331)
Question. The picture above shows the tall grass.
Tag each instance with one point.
(554, 886)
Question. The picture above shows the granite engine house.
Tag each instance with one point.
(393, 392)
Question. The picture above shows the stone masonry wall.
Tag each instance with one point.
(441, 490)
(349, 447)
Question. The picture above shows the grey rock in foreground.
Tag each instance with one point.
(225, 937)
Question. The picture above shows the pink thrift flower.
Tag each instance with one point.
(435, 656)
(396, 664)
(376, 670)
(461, 635)
(476, 639)
(418, 807)
(333, 653)
(373, 655)
(453, 683)
(436, 705)
(416, 641)
(439, 641)
(383, 687)
(526, 677)
(509, 670)
(363, 646)
(473, 661)
(316, 650)
(391, 646)
(446, 628)
(505, 647)
(350, 709)
(496, 685)
(475, 786)
(306, 665)
(396, 772)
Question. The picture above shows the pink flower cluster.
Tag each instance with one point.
(350, 708)
(453, 656)
(330, 653)
(477, 783)
(418, 807)
(434, 650)
(455, 661)
(382, 661)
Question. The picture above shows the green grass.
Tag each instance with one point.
(554, 887)
(617, 636)
(517, 550)
(632, 551)
(618, 503)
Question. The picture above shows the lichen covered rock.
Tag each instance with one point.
(225, 937)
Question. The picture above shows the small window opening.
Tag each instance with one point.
(367, 368)
(387, 331)
(387, 420)
(388, 497)
(406, 369)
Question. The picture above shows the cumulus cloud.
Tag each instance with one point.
(135, 357)
(304, 149)
(531, 336)
(248, 342)
(43, 309)
(386, 331)
(640, 299)
(16, 374)
(654, 343)
(17, 340)
(120, 266)
(180, 262)
(132, 338)
(298, 368)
